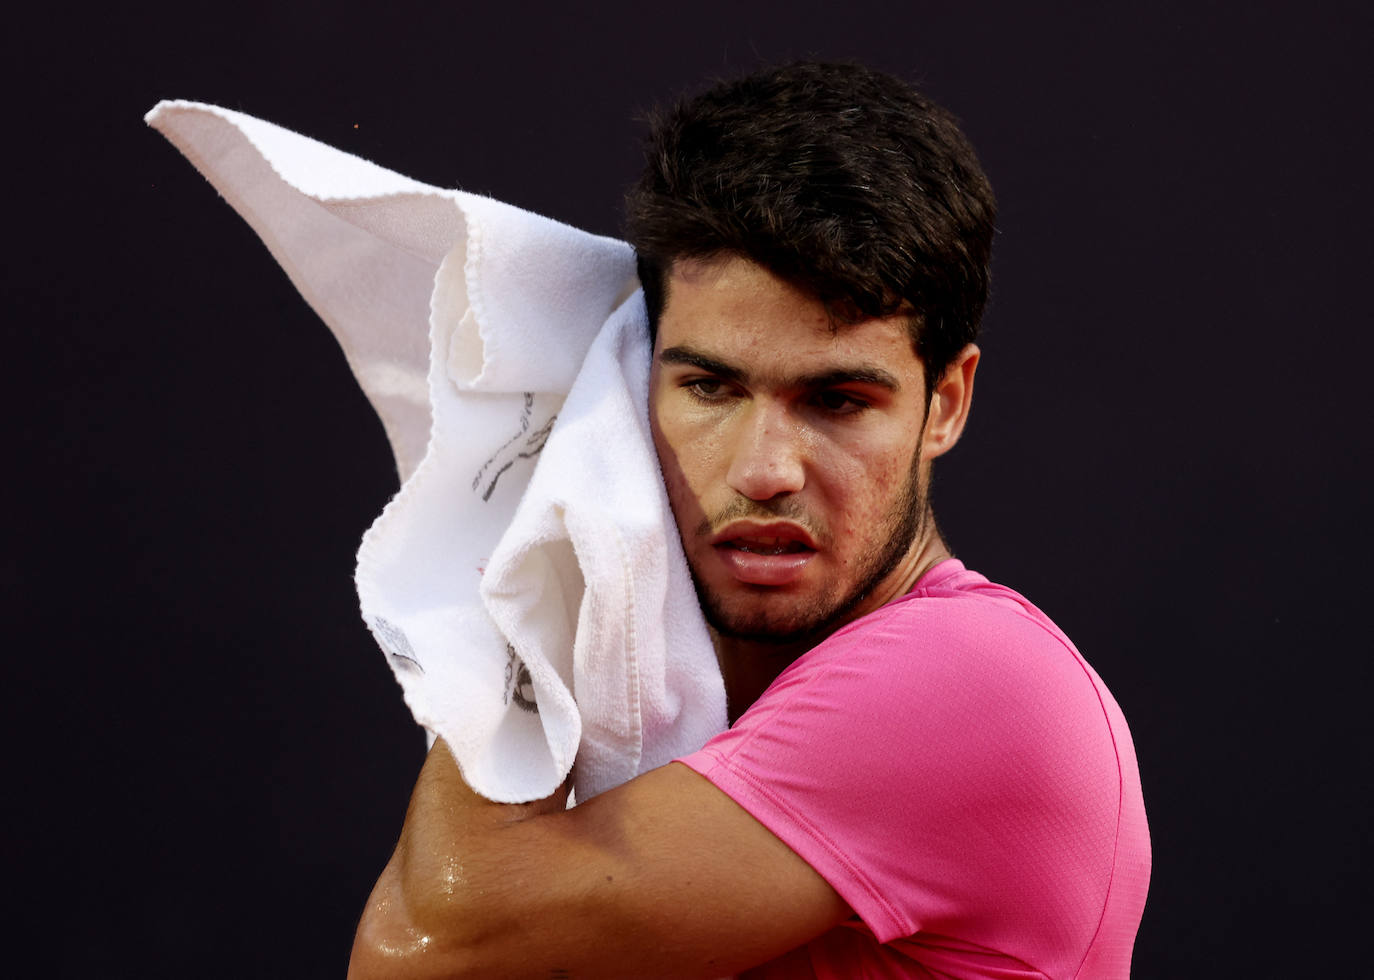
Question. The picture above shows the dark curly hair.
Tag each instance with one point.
(840, 179)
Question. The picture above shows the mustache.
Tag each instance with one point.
(785, 508)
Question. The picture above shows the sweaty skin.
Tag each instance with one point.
(796, 459)
(796, 454)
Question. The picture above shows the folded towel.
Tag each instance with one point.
(527, 582)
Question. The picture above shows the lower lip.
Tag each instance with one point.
(756, 569)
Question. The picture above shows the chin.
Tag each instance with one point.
(799, 623)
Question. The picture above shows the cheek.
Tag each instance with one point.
(689, 452)
(685, 465)
(864, 489)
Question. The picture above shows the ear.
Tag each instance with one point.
(949, 404)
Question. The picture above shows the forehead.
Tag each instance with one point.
(733, 308)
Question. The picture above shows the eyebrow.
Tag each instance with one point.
(683, 354)
(859, 374)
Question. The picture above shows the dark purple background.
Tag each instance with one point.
(209, 760)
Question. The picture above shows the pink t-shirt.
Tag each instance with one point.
(958, 773)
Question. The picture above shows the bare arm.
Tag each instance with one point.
(665, 876)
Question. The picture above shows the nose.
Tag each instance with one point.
(768, 458)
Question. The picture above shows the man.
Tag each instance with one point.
(923, 777)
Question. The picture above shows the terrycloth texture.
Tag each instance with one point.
(527, 582)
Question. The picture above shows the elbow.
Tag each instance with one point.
(402, 936)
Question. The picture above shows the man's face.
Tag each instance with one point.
(791, 451)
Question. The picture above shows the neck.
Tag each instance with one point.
(749, 666)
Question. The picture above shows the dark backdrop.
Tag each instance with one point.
(208, 758)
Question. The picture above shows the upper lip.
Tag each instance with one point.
(765, 533)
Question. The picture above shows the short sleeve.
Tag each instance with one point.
(946, 764)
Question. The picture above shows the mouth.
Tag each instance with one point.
(755, 554)
(773, 537)
(766, 546)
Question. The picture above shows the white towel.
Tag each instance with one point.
(527, 582)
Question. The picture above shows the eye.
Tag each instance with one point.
(706, 389)
(839, 402)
